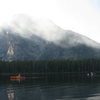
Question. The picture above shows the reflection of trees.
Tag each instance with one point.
(61, 92)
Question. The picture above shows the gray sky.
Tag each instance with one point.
(82, 16)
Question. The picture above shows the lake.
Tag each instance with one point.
(31, 89)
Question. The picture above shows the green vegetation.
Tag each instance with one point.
(50, 66)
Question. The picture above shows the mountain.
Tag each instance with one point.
(40, 39)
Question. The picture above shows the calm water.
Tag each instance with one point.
(33, 90)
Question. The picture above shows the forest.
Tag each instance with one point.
(51, 66)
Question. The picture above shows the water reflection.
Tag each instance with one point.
(45, 90)
(75, 91)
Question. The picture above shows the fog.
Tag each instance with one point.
(81, 16)
(26, 26)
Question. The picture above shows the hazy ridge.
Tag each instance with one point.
(40, 39)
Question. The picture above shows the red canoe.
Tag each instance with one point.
(19, 77)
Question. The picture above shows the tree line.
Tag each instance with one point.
(50, 66)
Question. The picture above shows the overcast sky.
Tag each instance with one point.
(82, 16)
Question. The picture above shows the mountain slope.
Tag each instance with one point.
(22, 48)
(29, 39)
